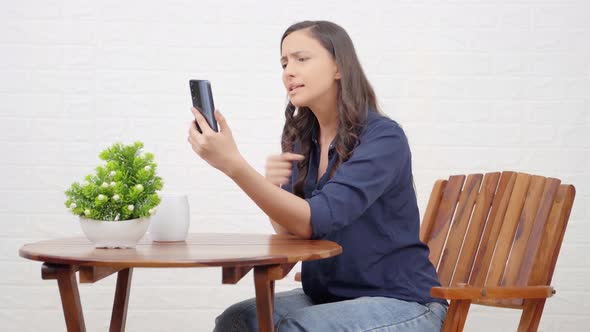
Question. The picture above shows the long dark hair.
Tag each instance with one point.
(355, 98)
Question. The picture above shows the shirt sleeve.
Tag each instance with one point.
(374, 166)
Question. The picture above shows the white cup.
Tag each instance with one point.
(172, 218)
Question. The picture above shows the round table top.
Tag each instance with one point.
(199, 249)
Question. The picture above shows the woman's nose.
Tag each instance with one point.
(288, 71)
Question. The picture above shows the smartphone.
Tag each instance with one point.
(203, 101)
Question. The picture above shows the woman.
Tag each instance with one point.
(344, 175)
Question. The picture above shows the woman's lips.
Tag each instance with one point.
(292, 91)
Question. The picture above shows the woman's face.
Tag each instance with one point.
(310, 73)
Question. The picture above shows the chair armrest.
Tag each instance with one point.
(473, 293)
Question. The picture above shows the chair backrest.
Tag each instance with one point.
(501, 229)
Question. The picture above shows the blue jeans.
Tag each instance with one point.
(294, 311)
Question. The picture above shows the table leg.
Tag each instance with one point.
(119, 315)
(272, 294)
(68, 291)
(264, 298)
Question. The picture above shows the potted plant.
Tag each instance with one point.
(114, 205)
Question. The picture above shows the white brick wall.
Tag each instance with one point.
(479, 85)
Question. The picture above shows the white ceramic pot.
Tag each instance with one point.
(114, 234)
(171, 221)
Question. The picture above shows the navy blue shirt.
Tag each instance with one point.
(368, 207)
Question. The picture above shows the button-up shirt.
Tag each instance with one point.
(368, 207)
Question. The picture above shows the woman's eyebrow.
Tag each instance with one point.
(296, 53)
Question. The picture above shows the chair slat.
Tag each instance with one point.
(544, 264)
(512, 239)
(492, 229)
(525, 226)
(431, 210)
(446, 209)
(476, 227)
(508, 230)
(459, 225)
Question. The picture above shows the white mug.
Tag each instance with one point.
(171, 220)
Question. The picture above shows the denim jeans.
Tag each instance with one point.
(294, 311)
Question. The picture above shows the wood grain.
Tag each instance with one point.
(492, 229)
(120, 304)
(271, 256)
(508, 230)
(517, 245)
(455, 241)
(68, 291)
(264, 298)
(546, 258)
(520, 250)
(446, 209)
(456, 316)
(431, 210)
(233, 274)
(199, 250)
(476, 227)
(531, 315)
(92, 274)
(496, 292)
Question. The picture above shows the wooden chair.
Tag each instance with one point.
(494, 240)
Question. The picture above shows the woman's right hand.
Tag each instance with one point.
(279, 167)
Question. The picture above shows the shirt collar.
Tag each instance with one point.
(315, 133)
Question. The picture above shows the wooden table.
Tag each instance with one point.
(271, 257)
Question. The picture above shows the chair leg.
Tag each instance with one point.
(119, 315)
(531, 315)
(456, 316)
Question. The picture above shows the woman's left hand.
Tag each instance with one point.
(217, 148)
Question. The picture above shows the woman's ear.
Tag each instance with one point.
(337, 75)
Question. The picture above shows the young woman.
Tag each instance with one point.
(344, 175)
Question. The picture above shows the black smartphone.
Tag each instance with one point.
(203, 101)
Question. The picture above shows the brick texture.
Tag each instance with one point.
(478, 86)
